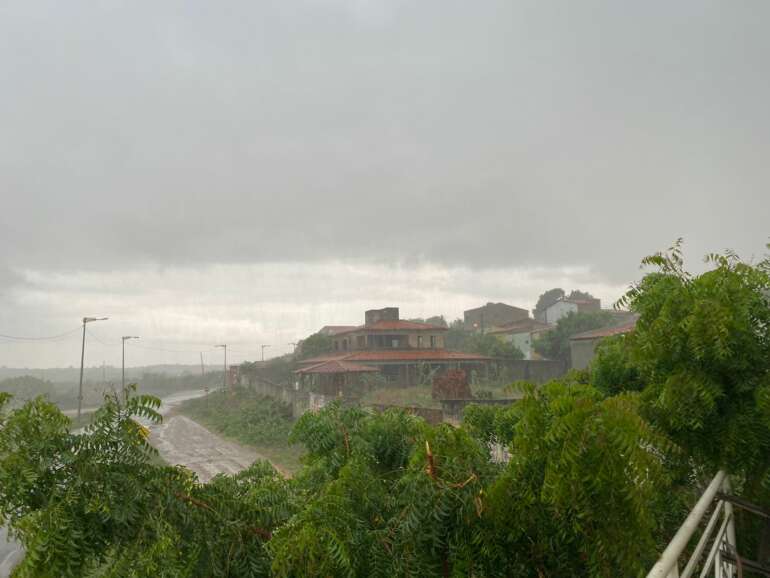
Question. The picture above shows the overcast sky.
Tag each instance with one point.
(246, 172)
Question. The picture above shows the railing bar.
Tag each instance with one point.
(744, 505)
(696, 554)
(714, 547)
(670, 556)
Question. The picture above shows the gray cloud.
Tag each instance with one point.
(492, 135)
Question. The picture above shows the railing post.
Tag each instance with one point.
(730, 530)
(669, 560)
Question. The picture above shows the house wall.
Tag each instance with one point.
(521, 340)
(535, 371)
(493, 315)
(422, 340)
(558, 310)
(582, 352)
(406, 340)
(372, 316)
(524, 342)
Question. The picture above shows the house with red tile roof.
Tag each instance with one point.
(400, 351)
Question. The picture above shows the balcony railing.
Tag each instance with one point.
(715, 552)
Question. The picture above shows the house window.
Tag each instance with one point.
(432, 341)
(361, 341)
(345, 344)
(419, 341)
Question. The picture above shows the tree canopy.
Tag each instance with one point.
(547, 299)
(316, 344)
(555, 343)
(489, 345)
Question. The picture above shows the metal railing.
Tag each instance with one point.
(718, 537)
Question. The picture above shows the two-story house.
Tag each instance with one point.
(401, 351)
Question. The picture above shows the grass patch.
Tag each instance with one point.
(257, 421)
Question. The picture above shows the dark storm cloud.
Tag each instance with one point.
(491, 133)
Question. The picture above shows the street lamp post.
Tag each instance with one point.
(224, 375)
(123, 361)
(263, 351)
(82, 358)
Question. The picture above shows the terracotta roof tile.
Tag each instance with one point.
(395, 355)
(525, 325)
(337, 366)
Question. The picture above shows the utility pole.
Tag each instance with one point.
(205, 385)
(263, 351)
(82, 358)
(123, 361)
(224, 375)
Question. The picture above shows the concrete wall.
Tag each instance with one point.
(521, 340)
(493, 315)
(558, 310)
(300, 401)
(524, 342)
(534, 370)
(385, 314)
(582, 352)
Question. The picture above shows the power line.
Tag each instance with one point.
(100, 340)
(45, 338)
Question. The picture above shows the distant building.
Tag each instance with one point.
(492, 315)
(583, 345)
(399, 350)
(565, 306)
(522, 334)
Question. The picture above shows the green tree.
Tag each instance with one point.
(702, 349)
(546, 300)
(555, 343)
(580, 295)
(489, 345)
(612, 371)
(586, 475)
(456, 337)
(96, 504)
(316, 344)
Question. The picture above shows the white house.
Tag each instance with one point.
(564, 307)
(522, 334)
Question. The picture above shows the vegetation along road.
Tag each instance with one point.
(180, 441)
